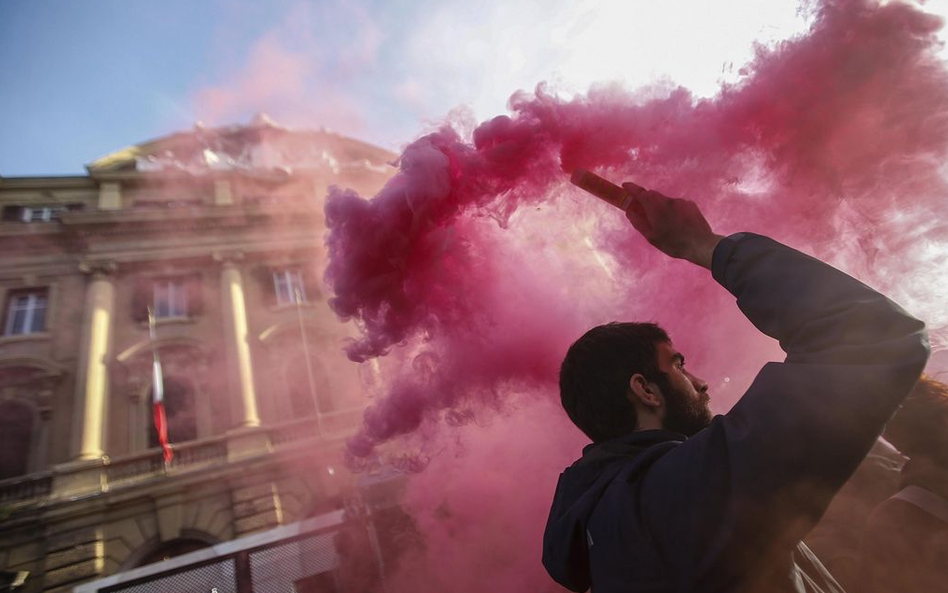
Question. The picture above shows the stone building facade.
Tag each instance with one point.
(219, 232)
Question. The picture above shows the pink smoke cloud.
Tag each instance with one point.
(295, 75)
(833, 142)
(482, 518)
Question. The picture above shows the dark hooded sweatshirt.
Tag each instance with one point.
(725, 510)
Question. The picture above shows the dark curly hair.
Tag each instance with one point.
(594, 377)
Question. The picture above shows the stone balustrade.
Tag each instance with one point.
(25, 488)
(328, 425)
(187, 456)
(78, 478)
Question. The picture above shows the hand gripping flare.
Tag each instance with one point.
(605, 189)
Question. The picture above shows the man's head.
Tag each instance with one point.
(622, 377)
(920, 428)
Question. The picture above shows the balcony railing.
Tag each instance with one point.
(340, 424)
(190, 455)
(24, 488)
(329, 427)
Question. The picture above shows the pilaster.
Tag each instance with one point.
(89, 409)
(110, 196)
(73, 557)
(240, 379)
(256, 507)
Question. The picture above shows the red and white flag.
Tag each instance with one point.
(158, 396)
(158, 404)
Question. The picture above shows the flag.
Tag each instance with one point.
(158, 395)
(158, 404)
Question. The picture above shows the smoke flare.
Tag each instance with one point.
(832, 142)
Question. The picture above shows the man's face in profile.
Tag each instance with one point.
(686, 396)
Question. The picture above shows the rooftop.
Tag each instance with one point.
(261, 146)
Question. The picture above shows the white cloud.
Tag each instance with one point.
(479, 53)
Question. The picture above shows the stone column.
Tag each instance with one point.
(236, 345)
(92, 381)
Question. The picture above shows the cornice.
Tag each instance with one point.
(48, 182)
(57, 260)
(98, 268)
(135, 177)
(130, 220)
(210, 253)
(66, 264)
(144, 347)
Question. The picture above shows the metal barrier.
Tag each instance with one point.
(298, 558)
(217, 577)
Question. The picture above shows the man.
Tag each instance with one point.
(669, 499)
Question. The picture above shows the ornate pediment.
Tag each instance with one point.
(261, 147)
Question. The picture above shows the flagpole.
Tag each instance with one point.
(309, 364)
(157, 390)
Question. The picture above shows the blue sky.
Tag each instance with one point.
(79, 79)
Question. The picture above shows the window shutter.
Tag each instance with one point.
(142, 297)
(195, 292)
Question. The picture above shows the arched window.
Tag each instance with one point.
(16, 433)
(179, 411)
(170, 549)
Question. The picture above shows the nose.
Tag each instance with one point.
(700, 385)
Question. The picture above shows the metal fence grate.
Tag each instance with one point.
(299, 558)
(290, 567)
(219, 577)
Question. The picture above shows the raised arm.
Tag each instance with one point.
(750, 486)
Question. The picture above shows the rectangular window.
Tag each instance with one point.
(26, 312)
(41, 213)
(47, 213)
(170, 298)
(288, 286)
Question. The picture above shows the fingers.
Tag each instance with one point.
(634, 211)
(674, 226)
(650, 200)
(638, 220)
(642, 212)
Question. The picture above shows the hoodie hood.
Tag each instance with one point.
(580, 487)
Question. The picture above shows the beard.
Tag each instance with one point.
(684, 414)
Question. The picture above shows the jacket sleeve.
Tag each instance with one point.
(731, 503)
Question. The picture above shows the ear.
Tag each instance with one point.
(645, 392)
